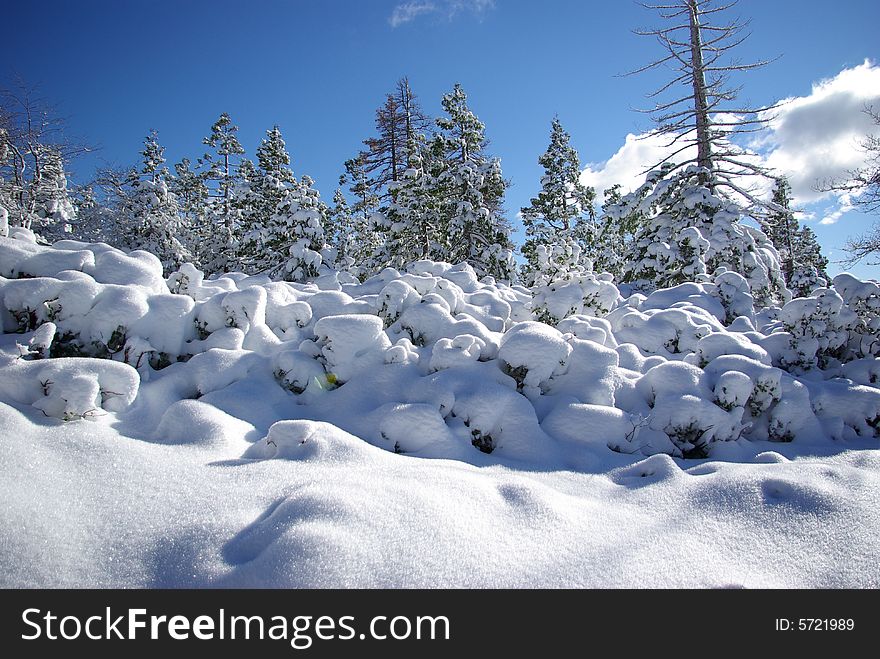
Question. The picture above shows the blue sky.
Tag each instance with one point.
(319, 70)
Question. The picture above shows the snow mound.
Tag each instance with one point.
(432, 362)
(309, 441)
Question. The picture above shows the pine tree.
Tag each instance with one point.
(53, 209)
(150, 210)
(561, 218)
(192, 199)
(471, 191)
(781, 227)
(283, 218)
(339, 232)
(94, 220)
(351, 230)
(614, 234)
(153, 156)
(414, 227)
(800, 256)
(811, 266)
(220, 175)
(690, 234)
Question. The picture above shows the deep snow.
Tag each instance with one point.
(422, 429)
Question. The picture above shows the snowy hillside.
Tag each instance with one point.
(428, 428)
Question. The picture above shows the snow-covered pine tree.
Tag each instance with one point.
(192, 199)
(693, 206)
(614, 235)
(151, 212)
(811, 270)
(285, 217)
(471, 190)
(53, 209)
(781, 226)
(219, 173)
(94, 220)
(413, 225)
(803, 265)
(339, 233)
(559, 222)
(689, 234)
(351, 231)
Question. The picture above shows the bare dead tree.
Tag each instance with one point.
(862, 185)
(696, 107)
(33, 139)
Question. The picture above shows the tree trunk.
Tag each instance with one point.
(701, 109)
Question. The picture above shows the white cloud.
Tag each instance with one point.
(627, 166)
(816, 137)
(409, 11)
(406, 12)
(810, 139)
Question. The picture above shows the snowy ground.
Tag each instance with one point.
(421, 430)
(87, 506)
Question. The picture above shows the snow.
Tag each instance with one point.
(411, 429)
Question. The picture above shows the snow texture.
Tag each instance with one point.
(292, 428)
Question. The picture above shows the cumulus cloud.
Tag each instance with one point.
(406, 12)
(817, 137)
(809, 139)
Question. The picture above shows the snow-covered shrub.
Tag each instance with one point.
(296, 370)
(717, 344)
(460, 351)
(665, 332)
(394, 298)
(589, 328)
(863, 299)
(857, 406)
(350, 342)
(532, 353)
(692, 423)
(69, 389)
(593, 426)
(819, 329)
(589, 294)
(732, 289)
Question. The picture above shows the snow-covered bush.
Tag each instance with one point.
(430, 361)
(589, 294)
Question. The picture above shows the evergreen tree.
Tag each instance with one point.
(221, 178)
(781, 227)
(691, 234)
(561, 218)
(414, 227)
(353, 234)
(153, 156)
(800, 256)
(53, 210)
(283, 218)
(151, 213)
(366, 201)
(614, 234)
(471, 191)
(811, 266)
(192, 199)
(94, 220)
